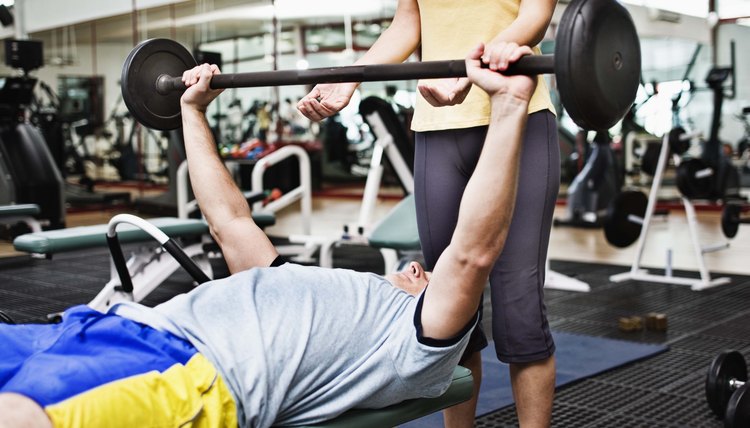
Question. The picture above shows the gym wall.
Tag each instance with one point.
(110, 55)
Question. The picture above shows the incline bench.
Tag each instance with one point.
(147, 267)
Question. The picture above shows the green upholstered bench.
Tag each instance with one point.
(459, 391)
(11, 214)
(20, 209)
(84, 237)
(147, 267)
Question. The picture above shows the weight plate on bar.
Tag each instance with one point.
(624, 221)
(695, 179)
(146, 62)
(730, 220)
(597, 62)
(676, 143)
(650, 158)
(725, 366)
(738, 409)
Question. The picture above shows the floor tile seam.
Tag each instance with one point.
(52, 286)
(707, 327)
(621, 383)
(54, 271)
(28, 296)
(707, 353)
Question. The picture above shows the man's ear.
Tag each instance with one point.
(418, 269)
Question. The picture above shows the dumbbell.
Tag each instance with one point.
(597, 63)
(727, 390)
(731, 218)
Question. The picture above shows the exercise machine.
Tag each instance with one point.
(594, 188)
(712, 175)
(31, 171)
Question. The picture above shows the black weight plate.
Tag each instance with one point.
(738, 409)
(676, 143)
(730, 220)
(619, 227)
(695, 178)
(597, 62)
(143, 66)
(650, 158)
(725, 366)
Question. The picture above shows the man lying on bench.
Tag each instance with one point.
(275, 343)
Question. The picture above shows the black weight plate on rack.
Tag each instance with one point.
(730, 220)
(695, 178)
(619, 227)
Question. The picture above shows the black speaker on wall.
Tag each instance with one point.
(6, 18)
(24, 54)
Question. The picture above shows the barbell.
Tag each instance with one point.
(597, 62)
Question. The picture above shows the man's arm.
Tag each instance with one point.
(228, 214)
(486, 209)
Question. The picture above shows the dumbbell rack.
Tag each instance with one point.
(637, 273)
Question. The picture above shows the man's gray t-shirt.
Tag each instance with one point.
(299, 344)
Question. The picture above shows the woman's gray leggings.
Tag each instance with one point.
(443, 163)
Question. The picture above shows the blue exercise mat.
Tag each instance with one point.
(577, 357)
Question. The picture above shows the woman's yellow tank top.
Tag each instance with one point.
(450, 29)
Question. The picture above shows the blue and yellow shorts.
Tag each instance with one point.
(98, 369)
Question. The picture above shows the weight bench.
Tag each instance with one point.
(21, 213)
(459, 391)
(144, 271)
(147, 265)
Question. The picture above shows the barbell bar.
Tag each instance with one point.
(597, 62)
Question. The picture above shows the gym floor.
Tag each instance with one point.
(666, 390)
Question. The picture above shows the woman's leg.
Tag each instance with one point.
(519, 320)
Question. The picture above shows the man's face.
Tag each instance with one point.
(413, 279)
